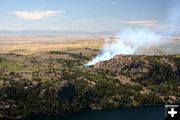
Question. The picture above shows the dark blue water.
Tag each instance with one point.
(139, 113)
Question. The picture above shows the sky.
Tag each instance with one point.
(83, 15)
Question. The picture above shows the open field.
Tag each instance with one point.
(29, 45)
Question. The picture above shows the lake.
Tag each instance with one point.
(138, 113)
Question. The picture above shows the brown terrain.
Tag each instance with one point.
(28, 45)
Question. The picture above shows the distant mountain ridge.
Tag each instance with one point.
(52, 32)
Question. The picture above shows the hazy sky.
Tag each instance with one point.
(83, 15)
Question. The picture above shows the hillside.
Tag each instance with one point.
(57, 82)
(142, 69)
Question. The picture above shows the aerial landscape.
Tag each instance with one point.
(74, 70)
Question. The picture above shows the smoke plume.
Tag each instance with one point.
(129, 41)
(174, 17)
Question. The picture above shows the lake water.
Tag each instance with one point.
(139, 113)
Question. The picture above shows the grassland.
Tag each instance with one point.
(30, 45)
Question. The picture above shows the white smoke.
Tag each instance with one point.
(174, 17)
(129, 41)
